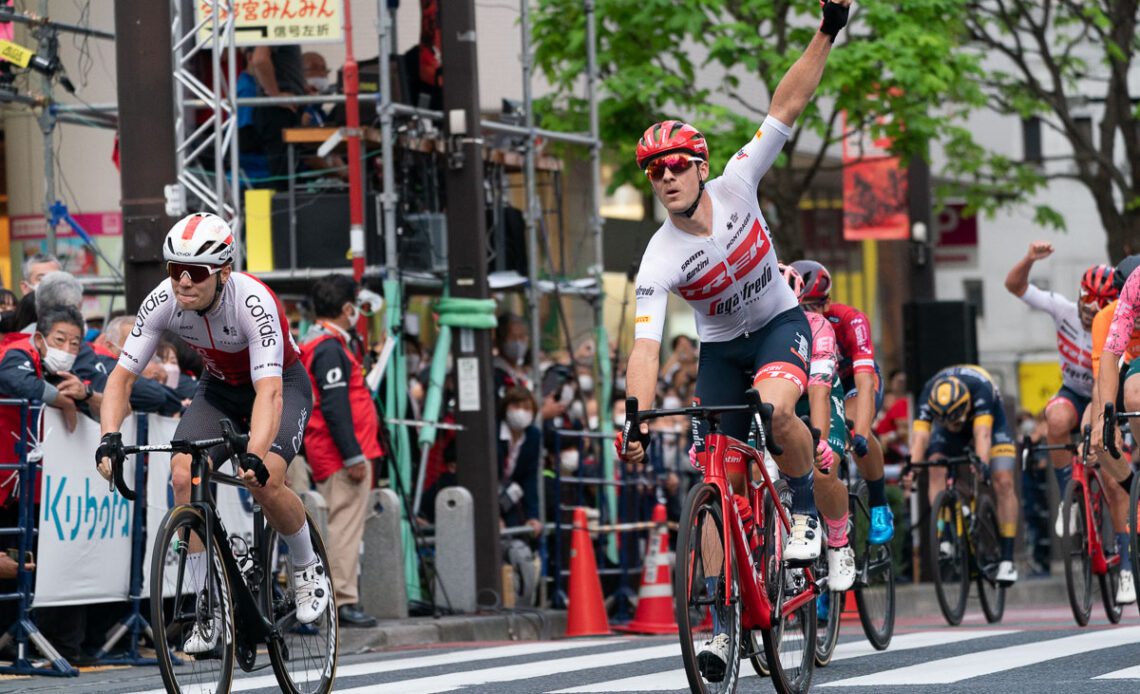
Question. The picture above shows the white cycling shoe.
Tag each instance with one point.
(1059, 525)
(712, 659)
(803, 544)
(1006, 573)
(840, 568)
(203, 638)
(311, 590)
(1126, 592)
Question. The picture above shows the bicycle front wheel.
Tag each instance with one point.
(1075, 544)
(950, 559)
(986, 542)
(790, 644)
(875, 574)
(304, 656)
(1134, 535)
(1110, 580)
(191, 606)
(707, 602)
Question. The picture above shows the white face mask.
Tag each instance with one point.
(568, 460)
(566, 395)
(58, 360)
(620, 383)
(671, 402)
(586, 383)
(619, 420)
(321, 84)
(519, 419)
(594, 421)
(354, 317)
(577, 411)
(172, 375)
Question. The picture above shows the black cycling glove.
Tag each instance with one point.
(253, 463)
(110, 446)
(834, 18)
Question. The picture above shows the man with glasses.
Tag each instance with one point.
(253, 376)
(715, 251)
(955, 397)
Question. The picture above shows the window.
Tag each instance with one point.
(972, 289)
(1031, 140)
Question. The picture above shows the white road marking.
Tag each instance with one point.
(1131, 673)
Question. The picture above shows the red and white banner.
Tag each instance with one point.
(874, 190)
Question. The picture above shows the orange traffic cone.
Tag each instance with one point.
(654, 613)
(850, 609)
(586, 613)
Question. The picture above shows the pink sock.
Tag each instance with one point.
(836, 531)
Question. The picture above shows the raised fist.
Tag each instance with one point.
(1039, 250)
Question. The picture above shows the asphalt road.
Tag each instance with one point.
(1032, 650)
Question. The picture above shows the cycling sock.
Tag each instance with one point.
(710, 589)
(803, 494)
(1007, 549)
(836, 531)
(196, 569)
(1122, 549)
(877, 491)
(300, 546)
(1063, 475)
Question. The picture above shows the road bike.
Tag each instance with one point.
(874, 584)
(1113, 418)
(240, 596)
(743, 579)
(964, 542)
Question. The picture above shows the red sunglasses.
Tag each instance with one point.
(677, 163)
(198, 273)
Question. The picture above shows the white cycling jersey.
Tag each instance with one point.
(1074, 343)
(730, 277)
(244, 338)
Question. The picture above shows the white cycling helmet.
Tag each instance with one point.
(200, 238)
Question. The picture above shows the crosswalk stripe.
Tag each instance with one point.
(514, 673)
(1129, 673)
(963, 667)
(465, 655)
(672, 680)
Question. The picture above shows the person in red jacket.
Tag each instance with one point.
(341, 437)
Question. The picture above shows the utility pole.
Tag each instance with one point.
(921, 232)
(146, 138)
(467, 277)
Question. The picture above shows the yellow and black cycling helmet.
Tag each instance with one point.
(949, 400)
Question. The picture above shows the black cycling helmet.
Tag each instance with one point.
(1123, 269)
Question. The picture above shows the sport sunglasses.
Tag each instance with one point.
(198, 273)
(677, 163)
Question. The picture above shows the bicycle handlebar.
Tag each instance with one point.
(234, 442)
(760, 410)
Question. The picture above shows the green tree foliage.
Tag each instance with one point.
(1065, 62)
(894, 70)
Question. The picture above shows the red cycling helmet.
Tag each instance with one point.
(793, 278)
(1097, 284)
(817, 281)
(670, 136)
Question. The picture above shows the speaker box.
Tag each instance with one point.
(937, 334)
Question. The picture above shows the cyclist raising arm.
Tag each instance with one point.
(253, 377)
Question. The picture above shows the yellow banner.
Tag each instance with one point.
(1038, 382)
(277, 22)
(15, 53)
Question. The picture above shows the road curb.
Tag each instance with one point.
(919, 599)
(528, 625)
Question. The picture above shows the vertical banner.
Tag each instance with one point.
(85, 529)
(874, 191)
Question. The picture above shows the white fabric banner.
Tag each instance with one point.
(85, 529)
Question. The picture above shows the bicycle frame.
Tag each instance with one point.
(1082, 473)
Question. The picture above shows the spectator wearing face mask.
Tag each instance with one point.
(147, 395)
(512, 343)
(520, 452)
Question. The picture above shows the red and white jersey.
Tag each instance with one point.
(853, 333)
(823, 351)
(1074, 343)
(244, 338)
(730, 277)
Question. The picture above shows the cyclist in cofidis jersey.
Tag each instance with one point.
(862, 384)
(253, 376)
(823, 403)
(1073, 321)
(957, 405)
(714, 250)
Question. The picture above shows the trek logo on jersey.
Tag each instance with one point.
(740, 262)
(152, 302)
(264, 319)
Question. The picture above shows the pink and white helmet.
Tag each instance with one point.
(200, 238)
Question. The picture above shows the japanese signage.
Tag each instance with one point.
(264, 22)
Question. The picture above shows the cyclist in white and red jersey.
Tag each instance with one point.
(715, 251)
(1073, 321)
(253, 377)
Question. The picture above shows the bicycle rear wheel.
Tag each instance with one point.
(950, 559)
(789, 644)
(1134, 536)
(986, 542)
(191, 599)
(304, 656)
(1075, 544)
(707, 601)
(829, 606)
(875, 574)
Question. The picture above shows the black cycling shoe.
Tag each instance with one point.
(353, 616)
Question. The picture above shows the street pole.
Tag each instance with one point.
(467, 278)
(146, 139)
(921, 232)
